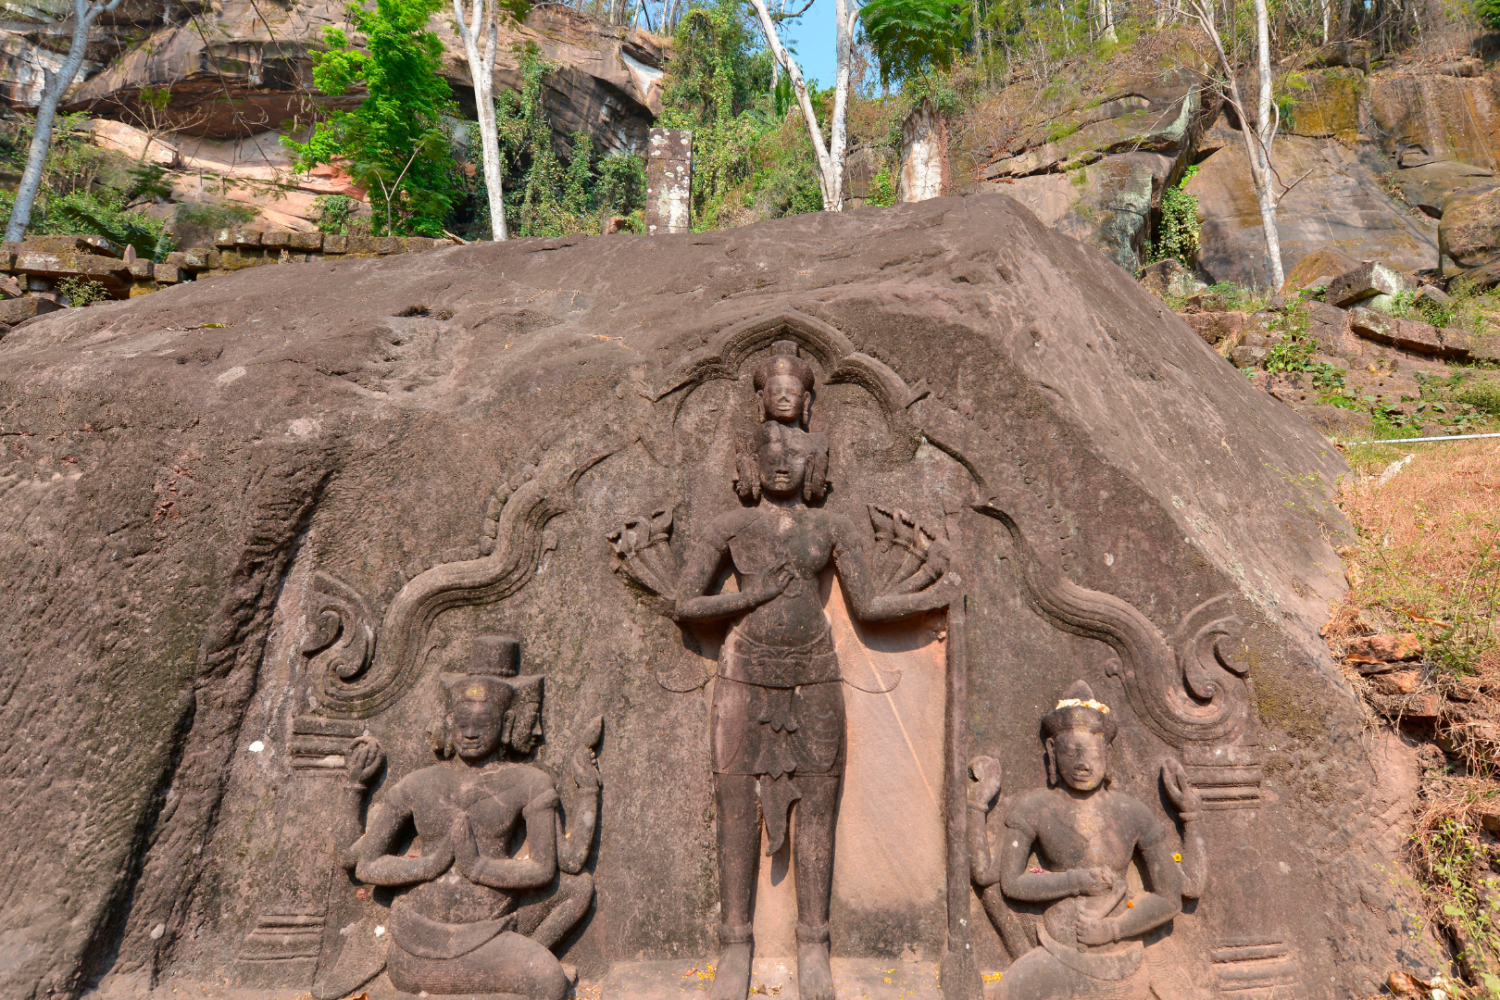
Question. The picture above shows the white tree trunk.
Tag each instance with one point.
(1266, 122)
(1258, 139)
(483, 17)
(84, 15)
(830, 154)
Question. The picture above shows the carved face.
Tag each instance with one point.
(783, 466)
(1082, 759)
(479, 719)
(783, 398)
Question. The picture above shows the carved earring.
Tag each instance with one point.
(1051, 763)
(806, 409)
(508, 727)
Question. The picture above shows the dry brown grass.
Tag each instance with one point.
(1426, 559)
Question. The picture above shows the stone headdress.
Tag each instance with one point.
(1078, 712)
(784, 360)
(747, 461)
(494, 666)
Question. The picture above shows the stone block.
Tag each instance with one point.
(1317, 268)
(235, 260)
(1216, 327)
(14, 311)
(246, 238)
(307, 241)
(1398, 682)
(170, 273)
(669, 181)
(139, 288)
(141, 269)
(1249, 356)
(224, 239)
(1386, 648)
(72, 244)
(1469, 233)
(387, 245)
(276, 239)
(335, 243)
(1169, 278)
(1366, 281)
(1407, 334)
(361, 246)
(72, 265)
(10, 287)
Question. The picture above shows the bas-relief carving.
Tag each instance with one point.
(778, 716)
(778, 740)
(1089, 941)
(471, 914)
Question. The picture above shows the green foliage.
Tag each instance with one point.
(913, 37)
(148, 236)
(1484, 397)
(1488, 12)
(1469, 894)
(333, 213)
(719, 86)
(81, 291)
(882, 190)
(546, 195)
(395, 143)
(214, 215)
(85, 190)
(1178, 232)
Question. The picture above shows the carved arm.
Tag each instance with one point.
(982, 792)
(854, 574)
(1040, 887)
(361, 764)
(582, 790)
(702, 564)
(378, 867)
(1149, 910)
(1194, 863)
(540, 816)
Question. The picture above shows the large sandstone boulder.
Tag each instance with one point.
(1338, 201)
(246, 520)
(1469, 234)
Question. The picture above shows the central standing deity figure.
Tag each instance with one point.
(778, 708)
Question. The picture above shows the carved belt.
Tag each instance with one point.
(427, 938)
(750, 662)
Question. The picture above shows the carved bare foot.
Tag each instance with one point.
(732, 974)
(814, 973)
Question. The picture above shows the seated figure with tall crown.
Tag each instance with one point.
(499, 877)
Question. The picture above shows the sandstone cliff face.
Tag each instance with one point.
(240, 67)
(181, 470)
(1373, 157)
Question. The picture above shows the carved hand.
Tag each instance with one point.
(986, 784)
(1092, 881)
(461, 840)
(363, 760)
(1180, 790)
(770, 584)
(586, 770)
(1097, 930)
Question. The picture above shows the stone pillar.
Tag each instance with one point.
(669, 181)
(925, 172)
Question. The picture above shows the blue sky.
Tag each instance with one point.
(812, 38)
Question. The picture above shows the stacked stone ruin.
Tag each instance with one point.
(41, 262)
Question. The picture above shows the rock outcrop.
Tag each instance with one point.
(248, 518)
(239, 68)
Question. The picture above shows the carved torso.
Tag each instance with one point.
(492, 797)
(805, 540)
(1101, 830)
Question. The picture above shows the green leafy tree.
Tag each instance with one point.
(394, 142)
(912, 37)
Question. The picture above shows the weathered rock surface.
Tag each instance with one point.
(1469, 233)
(1338, 201)
(607, 80)
(185, 471)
